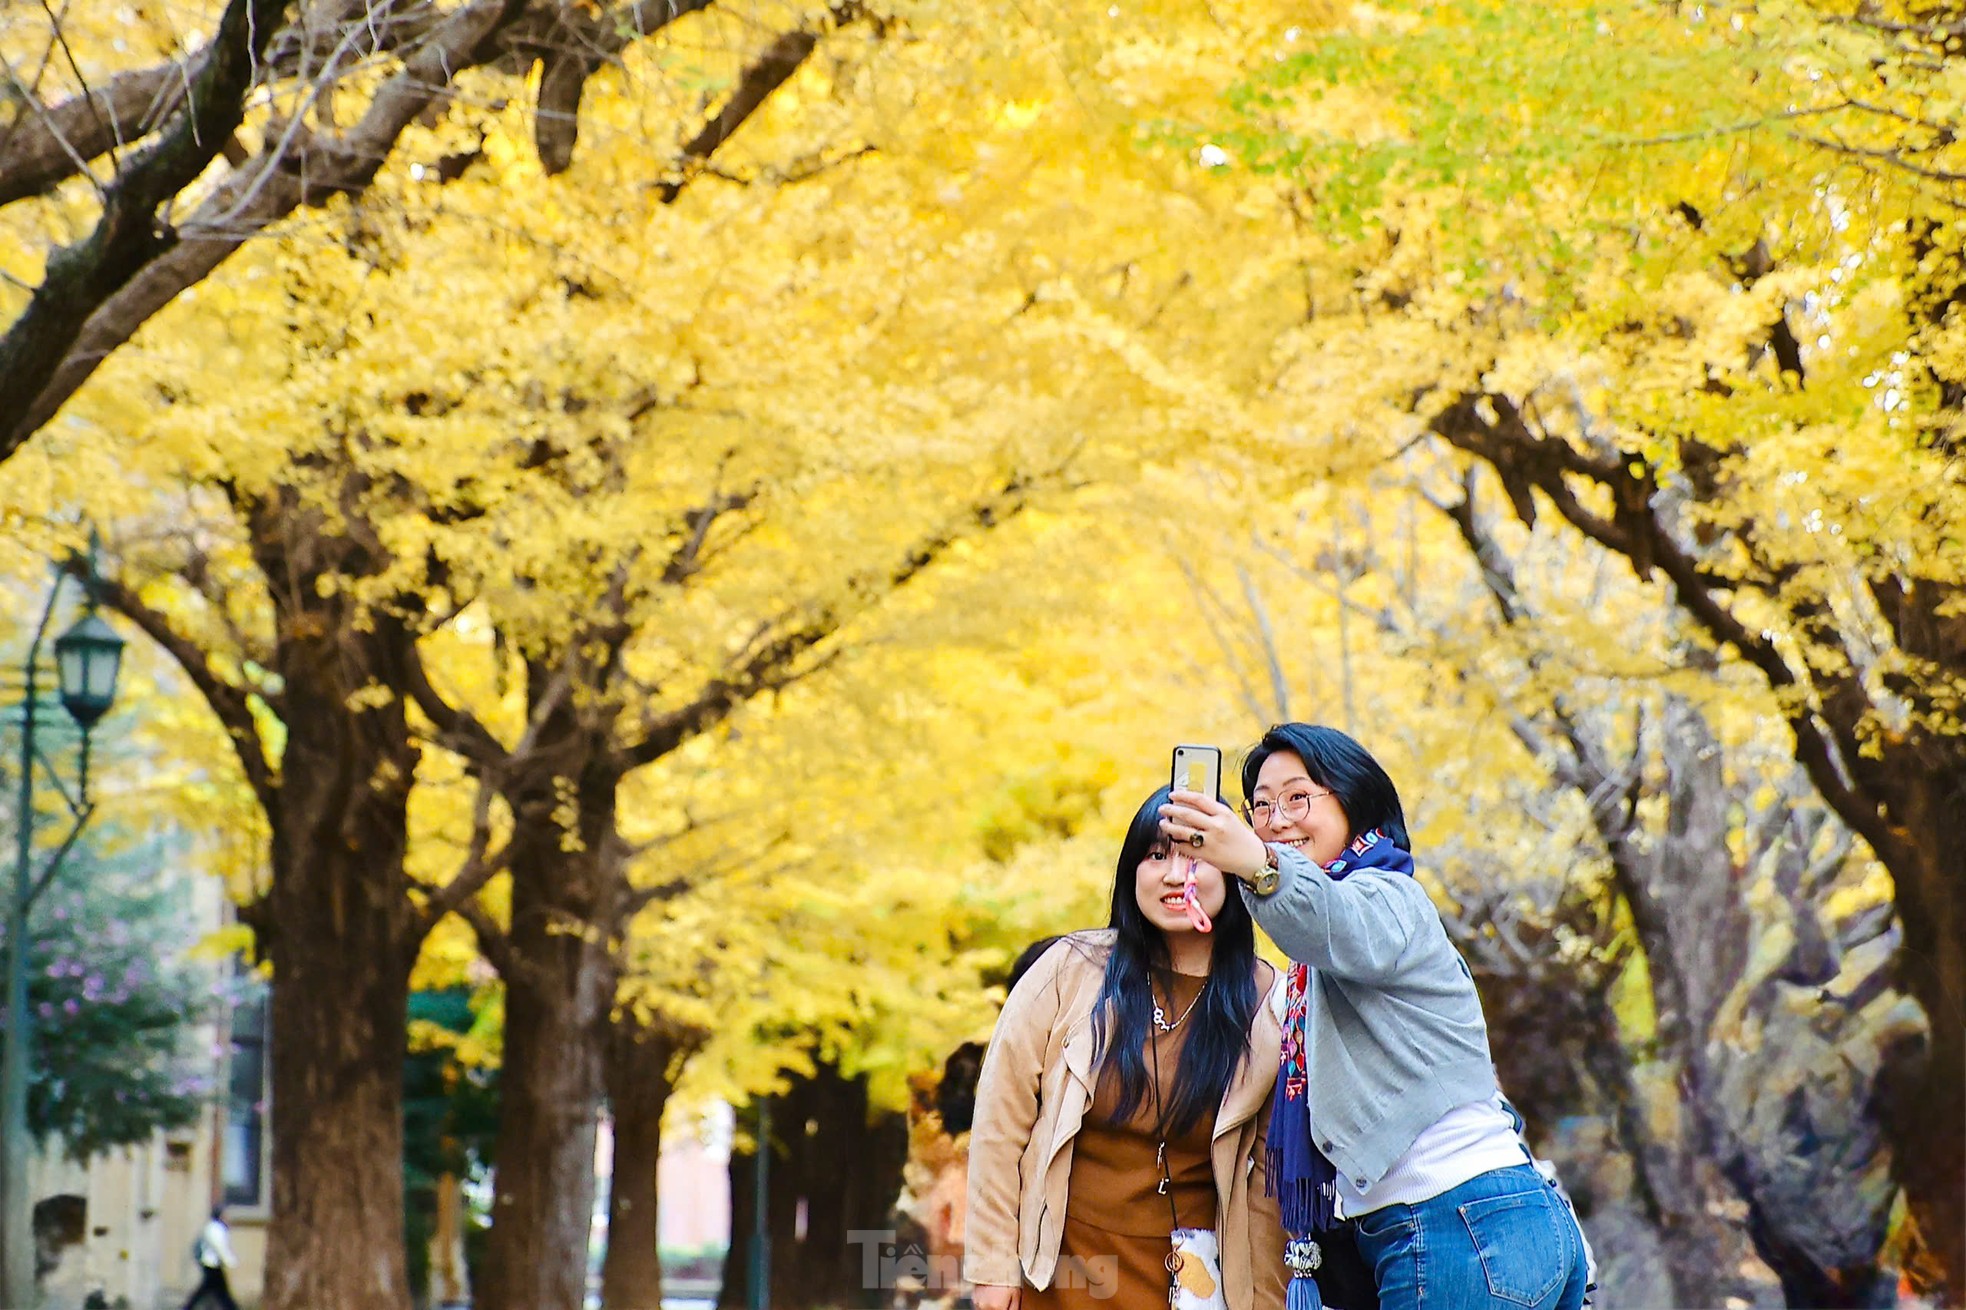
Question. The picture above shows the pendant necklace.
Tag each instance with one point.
(1160, 1015)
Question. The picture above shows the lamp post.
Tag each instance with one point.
(761, 1212)
(87, 658)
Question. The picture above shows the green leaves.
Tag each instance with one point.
(1557, 121)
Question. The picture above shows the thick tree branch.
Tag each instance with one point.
(81, 277)
(299, 168)
(493, 943)
(231, 703)
(764, 666)
(1497, 570)
(668, 890)
(47, 145)
(1525, 462)
(771, 70)
(458, 730)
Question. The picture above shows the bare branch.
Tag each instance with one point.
(480, 865)
(1218, 616)
(231, 703)
(769, 662)
(45, 145)
(1267, 639)
(1893, 157)
(697, 524)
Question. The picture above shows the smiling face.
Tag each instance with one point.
(1158, 884)
(1300, 812)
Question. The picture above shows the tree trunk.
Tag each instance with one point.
(835, 1176)
(448, 1280)
(639, 1082)
(735, 1291)
(1917, 783)
(337, 923)
(1684, 894)
(342, 937)
(1928, 1123)
(851, 1178)
(1902, 788)
(559, 992)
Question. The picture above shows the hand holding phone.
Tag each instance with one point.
(1196, 769)
(1205, 827)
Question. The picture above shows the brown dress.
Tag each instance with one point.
(1114, 1245)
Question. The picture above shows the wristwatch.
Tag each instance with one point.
(1267, 878)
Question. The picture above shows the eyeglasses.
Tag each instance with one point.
(1289, 809)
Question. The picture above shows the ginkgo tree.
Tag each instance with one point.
(239, 560)
(756, 476)
(1685, 279)
(646, 360)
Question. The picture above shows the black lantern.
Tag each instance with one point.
(87, 657)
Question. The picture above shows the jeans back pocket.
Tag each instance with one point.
(1524, 1250)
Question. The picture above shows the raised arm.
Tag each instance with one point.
(1358, 928)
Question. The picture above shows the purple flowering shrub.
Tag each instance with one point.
(116, 1011)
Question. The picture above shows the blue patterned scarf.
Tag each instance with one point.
(1302, 1179)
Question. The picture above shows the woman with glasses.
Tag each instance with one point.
(1388, 1115)
(1124, 1096)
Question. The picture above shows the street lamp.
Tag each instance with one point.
(87, 658)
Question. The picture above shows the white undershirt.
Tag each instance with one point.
(1466, 1142)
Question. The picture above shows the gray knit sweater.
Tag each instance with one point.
(1393, 1028)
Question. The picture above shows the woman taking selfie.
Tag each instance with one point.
(1387, 1111)
(1123, 1098)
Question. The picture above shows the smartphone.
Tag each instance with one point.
(1198, 768)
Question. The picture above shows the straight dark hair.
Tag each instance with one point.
(1341, 766)
(1218, 1035)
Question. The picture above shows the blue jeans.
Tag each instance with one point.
(1501, 1241)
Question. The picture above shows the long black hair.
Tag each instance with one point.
(1341, 766)
(1218, 1033)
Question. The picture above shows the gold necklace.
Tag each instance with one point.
(1160, 1015)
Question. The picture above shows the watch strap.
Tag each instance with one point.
(1271, 874)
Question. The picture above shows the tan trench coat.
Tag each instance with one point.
(1036, 1083)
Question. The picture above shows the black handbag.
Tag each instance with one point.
(1344, 1280)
